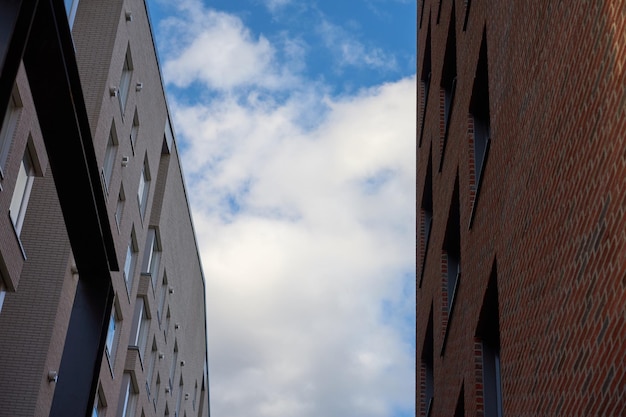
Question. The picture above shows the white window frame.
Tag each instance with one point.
(109, 158)
(143, 190)
(125, 79)
(98, 405)
(128, 401)
(151, 366)
(134, 131)
(152, 255)
(21, 193)
(113, 335)
(131, 261)
(141, 326)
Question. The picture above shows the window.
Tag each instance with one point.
(428, 374)
(127, 73)
(70, 8)
(427, 213)
(162, 296)
(9, 125)
(168, 139)
(134, 131)
(113, 334)
(173, 365)
(141, 325)
(468, 4)
(167, 323)
(448, 84)
(157, 391)
(109, 158)
(480, 127)
(152, 255)
(179, 400)
(3, 292)
(128, 400)
(151, 365)
(23, 185)
(488, 335)
(144, 188)
(119, 208)
(425, 81)
(460, 404)
(452, 249)
(195, 396)
(98, 404)
(131, 260)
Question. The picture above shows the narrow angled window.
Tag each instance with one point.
(131, 260)
(144, 188)
(428, 374)
(173, 365)
(9, 125)
(152, 255)
(460, 404)
(119, 208)
(452, 249)
(98, 404)
(21, 193)
(179, 400)
(134, 131)
(151, 366)
(128, 400)
(468, 4)
(141, 325)
(425, 81)
(125, 79)
(71, 6)
(162, 297)
(480, 132)
(448, 84)
(109, 157)
(113, 334)
(488, 334)
(427, 214)
(3, 291)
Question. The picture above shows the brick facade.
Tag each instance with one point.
(541, 205)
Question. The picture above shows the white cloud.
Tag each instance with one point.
(304, 209)
(217, 50)
(297, 274)
(349, 51)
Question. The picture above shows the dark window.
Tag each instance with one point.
(489, 333)
(468, 4)
(448, 80)
(479, 110)
(452, 247)
(428, 363)
(427, 210)
(460, 404)
(425, 80)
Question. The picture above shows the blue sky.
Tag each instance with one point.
(295, 121)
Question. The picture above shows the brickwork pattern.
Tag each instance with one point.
(551, 207)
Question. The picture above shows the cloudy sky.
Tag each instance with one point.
(296, 124)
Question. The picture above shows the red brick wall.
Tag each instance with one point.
(551, 204)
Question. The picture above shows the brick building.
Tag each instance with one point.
(102, 308)
(521, 194)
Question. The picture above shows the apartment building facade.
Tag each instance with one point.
(102, 297)
(521, 194)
